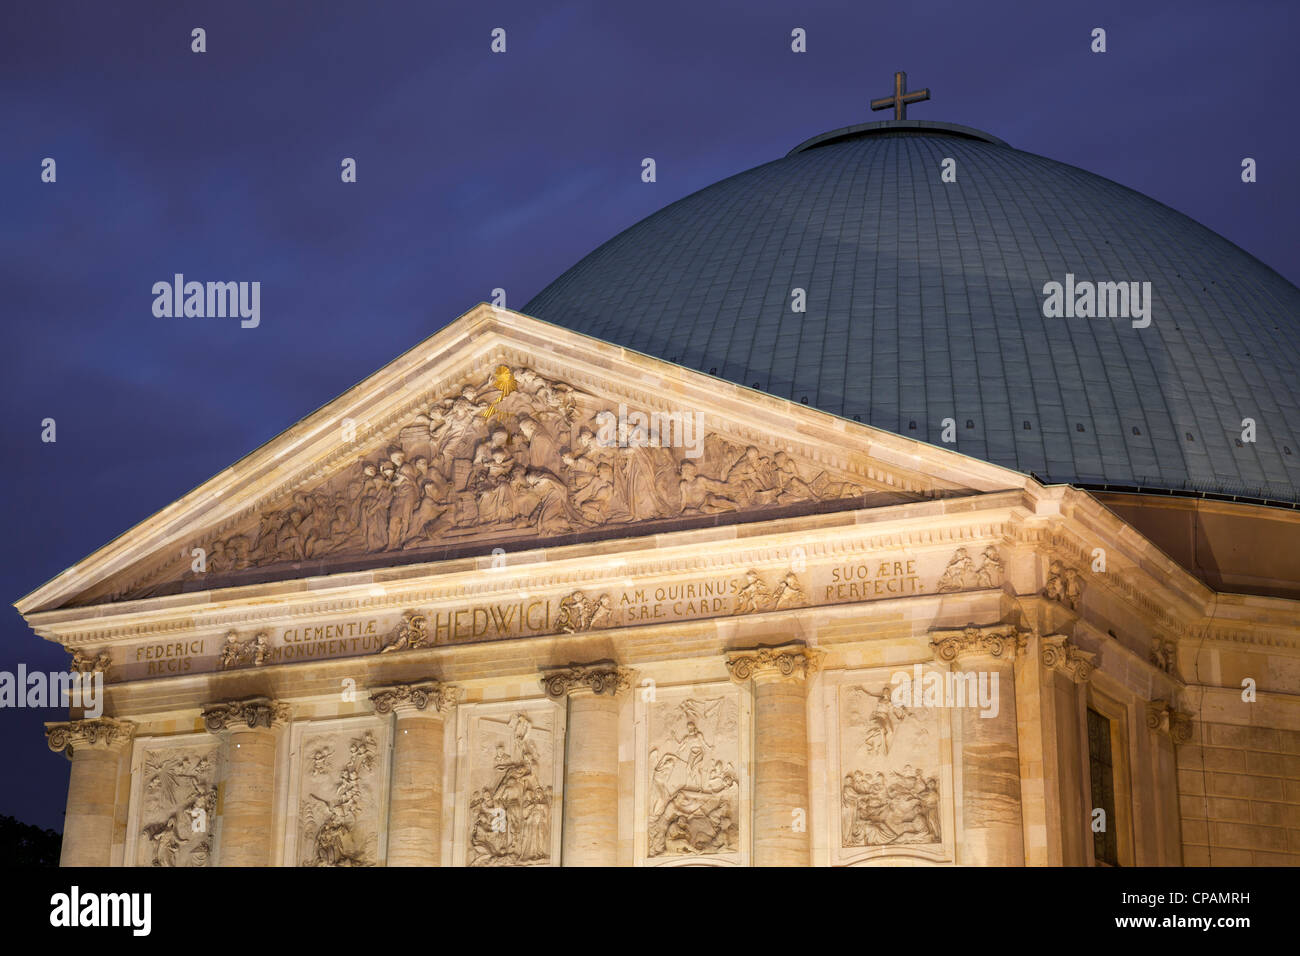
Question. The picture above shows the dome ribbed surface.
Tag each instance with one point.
(925, 302)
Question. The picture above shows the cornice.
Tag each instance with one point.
(1138, 668)
(1006, 517)
(1222, 634)
(768, 545)
(1186, 595)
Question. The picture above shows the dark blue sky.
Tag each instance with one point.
(475, 171)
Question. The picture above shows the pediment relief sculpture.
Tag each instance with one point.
(514, 455)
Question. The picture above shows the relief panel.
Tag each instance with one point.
(692, 795)
(891, 771)
(512, 766)
(173, 818)
(338, 800)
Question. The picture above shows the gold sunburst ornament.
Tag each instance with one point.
(503, 380)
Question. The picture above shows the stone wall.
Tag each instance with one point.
(1239, 795)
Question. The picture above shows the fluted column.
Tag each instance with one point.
(590, 835)
(415, 805)
(992, 832)
(251, 731)
(780, 749)
(95, 748)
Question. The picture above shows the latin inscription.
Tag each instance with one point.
(688, 599)
(172, 657)
(489, 621)
(872, 579)
(338, 639)
(717, 596)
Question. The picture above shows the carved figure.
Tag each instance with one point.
(463, 466)
(334, 829)
(693, 786)
(789, 593)
(511, 816)
(409, 634)
(956, 573)
(1064, 585)
(878, 811)
(180, 803)
(754, 595)
(84, 663)
(989, 572)
(166, 842)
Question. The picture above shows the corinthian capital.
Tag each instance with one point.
(253, 712)
(1059, 654)
(999, 640)
(785, 662)
(604, 677)
(1164, 718)
(101, 733)
(421, 695)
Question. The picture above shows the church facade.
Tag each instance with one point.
(528, 598)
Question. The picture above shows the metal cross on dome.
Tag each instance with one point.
(900, 99)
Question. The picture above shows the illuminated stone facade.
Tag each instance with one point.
(449, 620)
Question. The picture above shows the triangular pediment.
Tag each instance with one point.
(503, 432)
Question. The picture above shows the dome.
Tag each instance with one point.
(925, 301)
